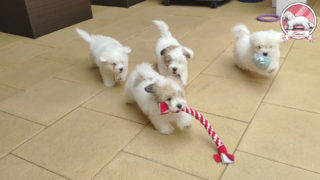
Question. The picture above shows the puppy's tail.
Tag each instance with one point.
(239, 30)
(84, 35)
(163, 27)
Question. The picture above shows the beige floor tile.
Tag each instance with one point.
(285, 135)
(6, 91)
(14, 131)
(13, 168)
(252, 167)
(195, 67)
(307, 46)
(298, 83)
(80, 144)
(73, 52)
(8, 39)
(224, 66)
(126, 166)
(178, 26)
(226, 97)
(112, 101)
(19, 52)
(45, 104)
(30, 72)
(142, 50)
(209, 39)
(112, 14)
(60, 37)
(86, 73)
(190, 150)
(180, 10)
(127, 27)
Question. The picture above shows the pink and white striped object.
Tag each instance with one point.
(223, 155)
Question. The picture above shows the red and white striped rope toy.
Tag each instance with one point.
(223, 155)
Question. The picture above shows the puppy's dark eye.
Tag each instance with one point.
(114, 64)
(259, 47)
(270, 46)
(169, 99)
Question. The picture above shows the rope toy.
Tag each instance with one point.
(223, 155)
(261, 61)
(274, 16)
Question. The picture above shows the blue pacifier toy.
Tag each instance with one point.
(261, 61)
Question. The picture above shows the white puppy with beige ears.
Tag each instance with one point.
(148, 88)
(172, 56)
(109, 55)
(258, 52)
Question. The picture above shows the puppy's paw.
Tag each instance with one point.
(186, 123)
(120, 78)
(166, 130)
(271, 71)
(108, 84)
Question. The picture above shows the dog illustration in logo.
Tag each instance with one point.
(292, 20)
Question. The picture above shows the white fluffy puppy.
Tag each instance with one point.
(148, 88)
(171, 55)
(109, 55)
(292, 20)
(265, 43)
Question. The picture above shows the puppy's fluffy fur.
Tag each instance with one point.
(292, 20)
(171, 55)
(262, 42)
(148, 88)
(109, 55)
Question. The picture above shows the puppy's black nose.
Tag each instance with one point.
(265, 54)
(121, 69)
(179, 106)
(174, 69)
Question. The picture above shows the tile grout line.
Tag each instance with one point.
(17, 116)
(261, 102)
(289, 107)
(101, 112)
(50, 125)
(39, 166)
(165, 165)
(212, 61)
(107, 163)
(12, 87)
(269, 159)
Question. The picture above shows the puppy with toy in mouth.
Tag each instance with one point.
(171, 55)
(109, 55)
(258, 52)
(148, 88)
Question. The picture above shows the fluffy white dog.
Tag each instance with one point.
(148, 88)
(264, 43)
(172, 56)
(109, 55)
(292, 20)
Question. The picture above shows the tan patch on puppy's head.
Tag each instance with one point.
(165, 53)
(170, 92)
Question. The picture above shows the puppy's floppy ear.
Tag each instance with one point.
(187, 52)
(163, 51)
(102, 59)
(149, 88)
(126, 49)
(278, 35)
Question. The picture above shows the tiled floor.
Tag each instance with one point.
(57, 120)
